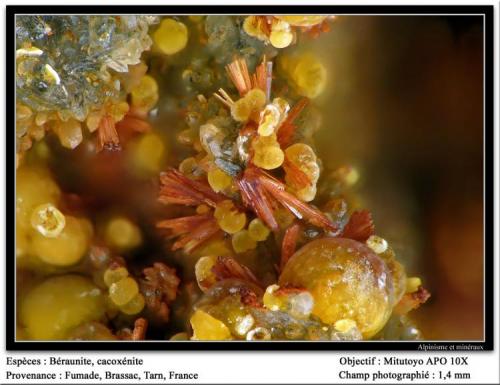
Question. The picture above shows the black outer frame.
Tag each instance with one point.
(488, 133)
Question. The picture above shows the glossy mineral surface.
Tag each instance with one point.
(346, 279)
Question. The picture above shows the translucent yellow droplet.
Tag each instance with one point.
(207, 328)
(134, 306)
(258, 230)
(307, 74)
(244, 108)
(344, 325)
(377, 244)
(229, 218)
(218, 179)
(171, 37)
(241, 110)
(114, 275)
(271, 301)
(242, 241)
(65, 249)
(269, 157)
(48, 220)
(203, 271)
(269, 120)
(281, 35)
(122, 234)
(123, 291)
(412, 284)
(148, 153)
(252, 26)
(145, 94)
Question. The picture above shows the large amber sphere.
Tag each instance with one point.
(347, 280)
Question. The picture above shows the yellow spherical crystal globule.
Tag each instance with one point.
(303, 157)
(121, 233)
(207, 328)
(271, 301)
(310, 76)
(242, 241)
(412, 284)
(190, 167)
(203, 271)
(272, 116)
(346, 279)
(252, 25)
(145, 95)
(281, 35)
(123, 291)
(256, 98)
(249, 105)
(34, 186)
(59, 304)
(215, 246)
(48, 220)
(344, 325)
(377, 244)
(267, 152)
(283, 106)
(65, 249)
(134, 306)
(269, 157)
(269, 120)
(171, 36)
(114, 275)
(229, 218)
(306, 72)
(218, 179)
(241, 110)
(258, 230)
(147, 153)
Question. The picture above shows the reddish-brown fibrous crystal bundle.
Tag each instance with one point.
(226, 268)
(360, 226)
(176, 188)
(287, 129)
(107, 137)
(191, 231)
(262, 193)
(289, 244)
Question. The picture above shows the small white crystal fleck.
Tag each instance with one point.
(377, 244)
